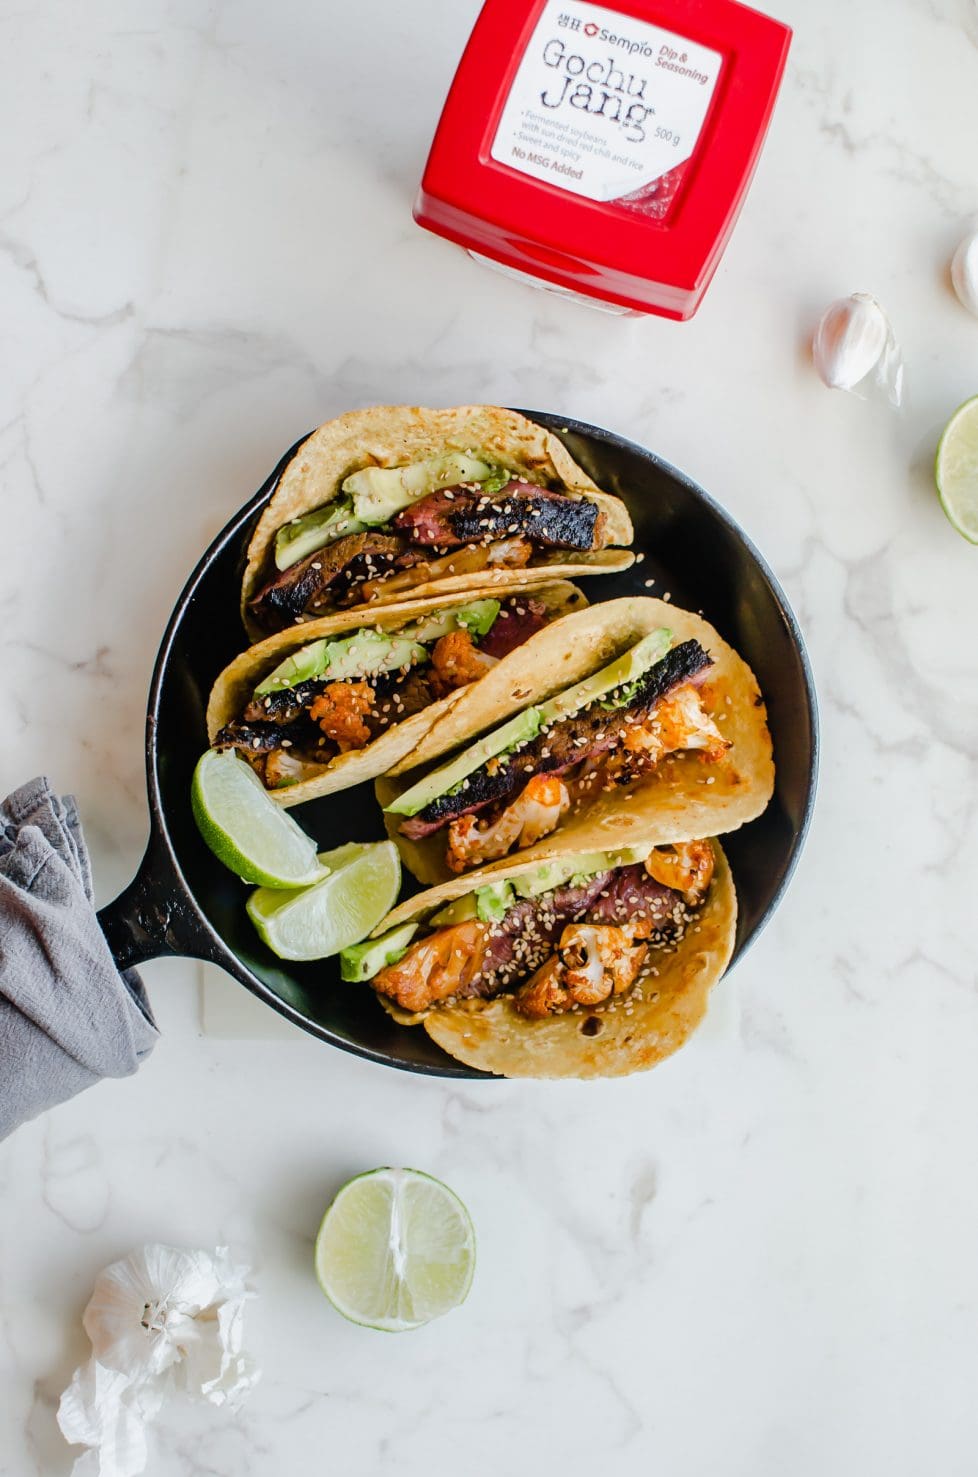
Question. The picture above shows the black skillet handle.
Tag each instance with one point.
(155, 916)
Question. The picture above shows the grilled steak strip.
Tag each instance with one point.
(519, 618)
(285, 705)
(324, 574)
(632, 893)
(481, 789)
(262, 738)
(408, 690)
(686, 662)
(558, 748)
(463, 515)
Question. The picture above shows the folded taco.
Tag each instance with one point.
(631, 716)
(399, 502)
(592, 964)
(337, 701)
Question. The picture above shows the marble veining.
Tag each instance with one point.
(760, 1258)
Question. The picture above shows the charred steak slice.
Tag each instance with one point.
(262, 738)
(519, 618)
(480, 790)
(314, 581)
(461, 515)
(687, 662)
(284, 705)
(632, 893)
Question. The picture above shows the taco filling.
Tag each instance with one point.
(516, 784)
(337, 695)
(393, 529)
(572, 934)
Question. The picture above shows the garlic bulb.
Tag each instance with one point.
(964, 273)
(854, 341)
(161, 1319)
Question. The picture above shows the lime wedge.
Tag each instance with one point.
(245, 829)
(396, 1248)
(956, 469)
(313, 922)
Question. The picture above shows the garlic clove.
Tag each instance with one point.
(964, 273)
(853, 341)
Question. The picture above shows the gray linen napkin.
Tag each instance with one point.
(67, 1016)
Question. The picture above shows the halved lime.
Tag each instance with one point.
(395, 1249)
(314, 922)
(956, 469)
(245, 829)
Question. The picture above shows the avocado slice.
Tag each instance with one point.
(303, 536)
(304, 665)
(460, 910)
(362, 961)
(562, 869)
(489, 904)
(476, 618)
(494, 901)
(479, 617)
(380, 492)
(519, 730)
(366, 653)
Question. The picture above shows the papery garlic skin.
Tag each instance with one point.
(142, 1312)
(854, 341)
(160, 1320)
(964, 273)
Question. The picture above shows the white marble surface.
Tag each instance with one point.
(761, 1258)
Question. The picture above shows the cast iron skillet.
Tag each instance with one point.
(183, 901)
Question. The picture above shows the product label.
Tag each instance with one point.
(606, 106)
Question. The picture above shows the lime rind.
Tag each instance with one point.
(245, 829)
(956, 470)
(395, 1250)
